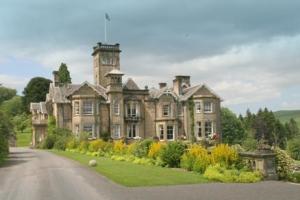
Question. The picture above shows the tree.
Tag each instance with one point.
(6, 93)
(21, 122)
(12, 107)
(5, 131)
(35, 91)
(292, 129)
(64, 74)
(232, 128)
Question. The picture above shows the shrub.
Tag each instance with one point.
(195, 158)
(72, 144)
(295, 177)
(105, 136)
(61, 143)
(172, 153)
(220, 173)
(119, 147)
(96, 145)
(131, 148)
(283, 163)
(224, 154)
(155, 149)
(49, 141)
(83, 146)
(294, 148)
(250, 144)
(142, 148)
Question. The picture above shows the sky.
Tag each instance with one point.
(247, 51)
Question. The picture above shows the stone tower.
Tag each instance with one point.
(106, 58)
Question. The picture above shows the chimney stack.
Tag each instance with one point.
(180, 82)
(56, 80)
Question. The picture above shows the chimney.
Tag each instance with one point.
(180, 82)
(162, 85)
(56, 80)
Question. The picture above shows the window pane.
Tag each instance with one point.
(199, 129)
(208, 128)
(87, 107)
(161, 132)
(166, 110)
(170, 135)
(88, 128)
(198, 107)
(207, 106)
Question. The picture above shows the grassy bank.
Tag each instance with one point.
(23, 139)
(133, 175)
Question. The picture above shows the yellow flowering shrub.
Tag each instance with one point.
(224, 155)
(196, 158)
(155, 149)
(131, 148)
(96, 145)
(119, 147)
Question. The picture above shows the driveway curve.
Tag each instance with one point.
(40, 175)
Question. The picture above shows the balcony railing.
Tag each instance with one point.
(132, 118)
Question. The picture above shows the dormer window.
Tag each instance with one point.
(198, 107)
(87, 108)
(208, 107)
(166, 110)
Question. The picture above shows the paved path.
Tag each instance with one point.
(40, 175)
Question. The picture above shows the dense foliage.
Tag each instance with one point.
(64, 74)
(5, 130)
(35, 91)
(6, 93)
(172, 153)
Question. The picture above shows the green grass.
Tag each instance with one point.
(23, 139)
(133, 175)
(286, 115)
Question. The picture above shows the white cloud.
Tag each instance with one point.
(16, 82)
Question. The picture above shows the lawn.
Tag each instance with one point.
(133, 175)
(23, 139)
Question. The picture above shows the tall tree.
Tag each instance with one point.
(232, 128)
(12, 107)
(35, 91)
(6, 93)
(292, 129)
(64, 74)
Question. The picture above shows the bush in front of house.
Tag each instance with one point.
(196, 158)
(220, 173)
(225, 155)
(155, 149)
(171, 153)
(142, 148)
(119, 147)
(283, 163)
(293, 148)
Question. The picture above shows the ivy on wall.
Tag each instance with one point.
(191, 105)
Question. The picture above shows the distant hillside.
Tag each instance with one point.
(286, 115)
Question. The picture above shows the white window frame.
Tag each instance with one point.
(198, 107)
(161, 133)
(164, 109)
(116, 108)
(206, 110)
(132, 128)
(116, 131)
(206, 128)
(132, 109)
(77, 108)
(88, 110)
(168, 126)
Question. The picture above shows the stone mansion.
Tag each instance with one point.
(123, 109)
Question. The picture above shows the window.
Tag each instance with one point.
(116, 131)
(208, 107)
(198, 107)
(107, 59)
(166, 110)
(89, 129)
(170, 132)
(132, 109)
(199, 129)
(161, 132)
(208, 128)
(87, 107)
(116, 108)
(76, 108)
(132, 130)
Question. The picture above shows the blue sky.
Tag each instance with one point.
(247, 51)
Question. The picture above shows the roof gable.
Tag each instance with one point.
(130, 85)
(199, 90)
(87, 88)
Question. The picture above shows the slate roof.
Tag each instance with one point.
(39, 107)
(130, 85)
(60, 94)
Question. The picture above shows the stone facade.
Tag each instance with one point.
(125, 110)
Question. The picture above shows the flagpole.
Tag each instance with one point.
(105, 29)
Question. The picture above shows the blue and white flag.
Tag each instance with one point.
(107, 17)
